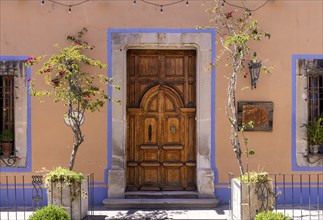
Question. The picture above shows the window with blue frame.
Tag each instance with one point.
(13, 113)
(308, 116)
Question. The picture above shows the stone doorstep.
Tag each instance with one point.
(166, 203)
(160, 194)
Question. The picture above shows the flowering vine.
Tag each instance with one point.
(237, 30)
(69, 83)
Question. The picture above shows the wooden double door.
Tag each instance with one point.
(161, 112)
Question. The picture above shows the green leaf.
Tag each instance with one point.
(251, 152)
(268, 35)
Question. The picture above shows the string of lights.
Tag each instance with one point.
(65, 5)
(161, 6)
(244, 5)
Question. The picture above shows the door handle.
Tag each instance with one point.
(150, 131)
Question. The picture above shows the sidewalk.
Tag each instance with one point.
(220, 213)
(100, 213)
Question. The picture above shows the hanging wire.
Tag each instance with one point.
(150, 2)
(244, 5)
(65, 5)
(165, 4)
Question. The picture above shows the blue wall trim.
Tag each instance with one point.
(213, 109)
(109, 135)
(213, 84)
(159, 30)
(28, 167)
(23, 197)
(288, 195)
(294, 164)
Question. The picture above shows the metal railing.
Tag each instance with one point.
(22, 195)
(299, 196)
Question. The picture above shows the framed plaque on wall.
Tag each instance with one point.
(259, 113)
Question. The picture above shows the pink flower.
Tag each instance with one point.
(229, 14)
(30, 59)
(62, 72)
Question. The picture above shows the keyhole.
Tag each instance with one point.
(173, 129)
(150, 131)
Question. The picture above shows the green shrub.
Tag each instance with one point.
(271, 216)
(255, 177)
(6, 136)
(63, 175)
(50, 213)
(60, 177)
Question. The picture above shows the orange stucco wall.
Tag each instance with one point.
(27, 28)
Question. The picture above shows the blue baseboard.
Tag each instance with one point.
(20, 198)
(288, 195)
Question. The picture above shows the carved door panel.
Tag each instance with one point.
(161, 130)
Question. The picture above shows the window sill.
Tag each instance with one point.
(315, 159)
(8, 161)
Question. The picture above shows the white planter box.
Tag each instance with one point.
(75, 204)
(248, 200)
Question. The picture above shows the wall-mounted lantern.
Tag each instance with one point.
(254, 68)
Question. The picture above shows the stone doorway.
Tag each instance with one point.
(120, 41)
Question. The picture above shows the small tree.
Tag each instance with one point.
(70, 83)
(237, 30)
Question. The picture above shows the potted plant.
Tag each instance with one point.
(69, 80)
(6, 138)
(237, 31)
(251, 193)
(68, 189)
(314, 135)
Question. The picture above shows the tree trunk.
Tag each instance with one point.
(73, 154)
(232, 115)
(78, 136)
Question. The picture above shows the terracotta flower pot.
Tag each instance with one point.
(6, 149)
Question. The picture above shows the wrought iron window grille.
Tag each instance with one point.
(9, 160)
(313, 71)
